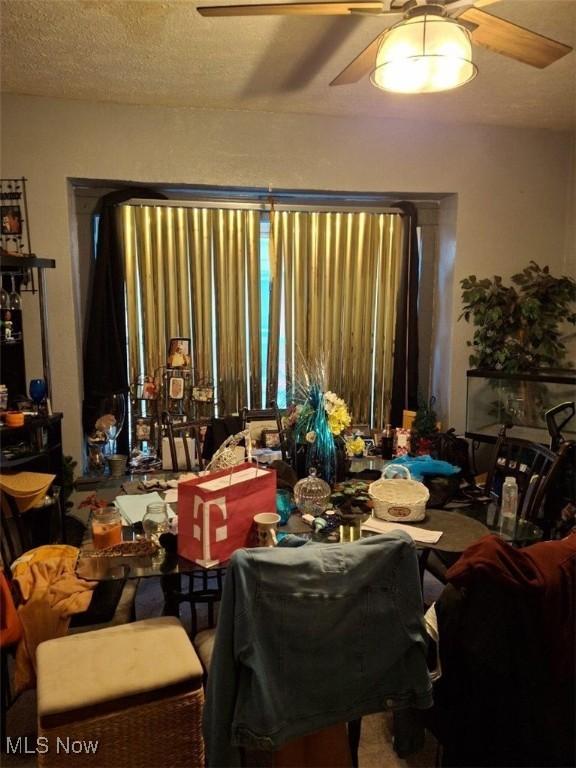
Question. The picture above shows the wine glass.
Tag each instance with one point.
(113, 410)
(14, 298)
(37, 392)
(4, 299)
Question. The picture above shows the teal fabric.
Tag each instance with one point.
(424, 465)
(313, 635)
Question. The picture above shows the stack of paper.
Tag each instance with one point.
(421, 535)
(134, 507)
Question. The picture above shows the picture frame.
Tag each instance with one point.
(203, 393)
(147, 389)
(176, 388)
(11, 220)
(14, 225)
(270, 438)
(143, 428)
(370, 445)
(178, 355)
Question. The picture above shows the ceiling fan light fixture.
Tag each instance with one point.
(424, 53)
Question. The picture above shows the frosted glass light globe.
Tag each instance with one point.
(424, 54)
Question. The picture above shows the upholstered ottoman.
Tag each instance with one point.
(123, 697)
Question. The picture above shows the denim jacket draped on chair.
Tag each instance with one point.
(312, 636)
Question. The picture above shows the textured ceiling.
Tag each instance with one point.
(165, 53)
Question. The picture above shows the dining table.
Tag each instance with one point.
(460, 524)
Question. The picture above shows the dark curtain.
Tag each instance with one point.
(405, 375)
(105, 354)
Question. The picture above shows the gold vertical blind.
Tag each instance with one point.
(195, 272)
(335, 276)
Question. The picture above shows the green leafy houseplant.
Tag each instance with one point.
(424, 424)
(517, 327)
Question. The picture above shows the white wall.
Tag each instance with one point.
(513, 190)
(444, 312)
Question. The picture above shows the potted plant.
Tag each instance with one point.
(517, 327)
(424, 426)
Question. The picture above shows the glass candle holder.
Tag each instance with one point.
(284, 505)
(106, 527)
(155, 520)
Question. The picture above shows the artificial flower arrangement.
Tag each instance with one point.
(299, 416)
(316, 423)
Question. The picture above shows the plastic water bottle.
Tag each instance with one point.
(509, 506)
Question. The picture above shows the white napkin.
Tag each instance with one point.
(171, 495)
(133, 507)
(421, 535)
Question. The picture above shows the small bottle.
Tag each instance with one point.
(509, 506)
(387, 442)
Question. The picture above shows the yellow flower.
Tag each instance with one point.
(338, 418)
(355, 446)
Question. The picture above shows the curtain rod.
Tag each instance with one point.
(325, 206)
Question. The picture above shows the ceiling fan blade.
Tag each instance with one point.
(362, 64)
(512, 40)
(451, 5)
(373, 12)
(292, 9)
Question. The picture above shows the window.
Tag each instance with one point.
(256, 287)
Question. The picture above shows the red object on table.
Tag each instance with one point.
(214, 522)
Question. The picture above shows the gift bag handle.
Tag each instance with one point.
(395, 467)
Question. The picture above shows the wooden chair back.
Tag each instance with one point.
(17, 533)
(271, 415)
(183, 432)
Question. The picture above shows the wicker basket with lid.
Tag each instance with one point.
(399, 500)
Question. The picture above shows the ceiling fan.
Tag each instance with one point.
(419, 26)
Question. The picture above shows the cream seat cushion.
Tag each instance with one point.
(84, 670)
(204, 644)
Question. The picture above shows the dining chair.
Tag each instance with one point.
(535, 468)
(505, 622)
(10, 635)
(182, 442)
(309, 638)
(112, 602)
(257, 420)
(34, 495)
(218, 430)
